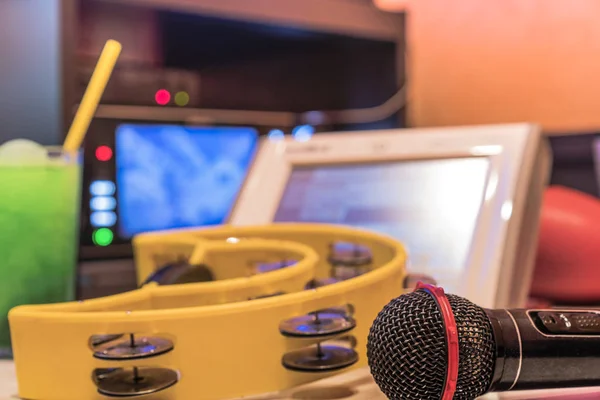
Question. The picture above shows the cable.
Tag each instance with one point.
(363, 115)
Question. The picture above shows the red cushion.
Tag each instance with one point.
(568, 260)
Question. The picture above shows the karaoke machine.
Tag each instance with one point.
(221, 313)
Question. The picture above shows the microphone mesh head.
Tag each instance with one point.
(407, 351)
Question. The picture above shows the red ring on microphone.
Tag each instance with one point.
(451, 336)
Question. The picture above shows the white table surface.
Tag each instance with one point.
(8, 382)
(358, 385)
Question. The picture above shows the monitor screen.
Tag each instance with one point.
(172, 176)
(430, 205)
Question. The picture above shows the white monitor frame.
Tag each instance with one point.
(502, 254)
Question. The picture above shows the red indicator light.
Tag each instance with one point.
(162, 97)
(104, 153)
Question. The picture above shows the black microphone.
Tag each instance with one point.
(431, 345)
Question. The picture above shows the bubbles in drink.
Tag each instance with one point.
(22, 152)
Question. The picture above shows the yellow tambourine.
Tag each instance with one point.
(221, 313)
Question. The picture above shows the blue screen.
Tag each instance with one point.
(171, 176)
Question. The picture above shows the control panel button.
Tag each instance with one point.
(103, 203)
(104, 153)
(102, 188)
(102, 219)
(568, 322)
(103, 237)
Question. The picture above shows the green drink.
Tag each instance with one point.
(39, 229)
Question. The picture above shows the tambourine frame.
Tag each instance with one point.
(223, 347)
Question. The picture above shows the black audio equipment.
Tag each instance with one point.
(430, 345)
(206, 72)
(152, 168)
(139, 85)
(576, 161)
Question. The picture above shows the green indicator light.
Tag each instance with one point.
(182, 99)
(103, 237)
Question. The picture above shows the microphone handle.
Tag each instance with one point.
(545, 349)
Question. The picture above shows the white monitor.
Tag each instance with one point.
(464, 200)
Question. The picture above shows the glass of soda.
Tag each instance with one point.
(39, 227)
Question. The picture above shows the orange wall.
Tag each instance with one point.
(488, 61)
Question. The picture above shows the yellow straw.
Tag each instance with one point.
(93, 93)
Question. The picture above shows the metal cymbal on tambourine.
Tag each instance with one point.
(263, 325)
(133, 348)
(178, 273)
(349, 254)
(349, 260)
(138, 381)
(322, 358)
(317, 324)
(98, 340)
(345, 272)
